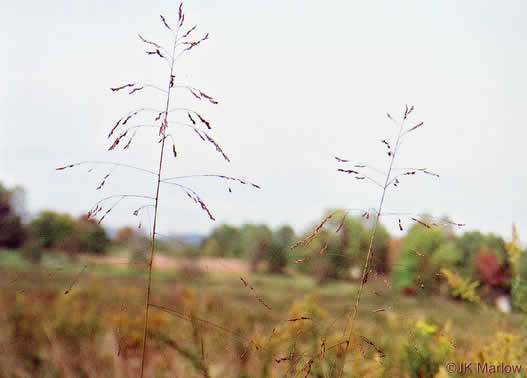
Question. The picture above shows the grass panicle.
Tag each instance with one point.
(181, 41)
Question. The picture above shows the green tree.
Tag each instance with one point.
(420, 258)
(278, 255)
(51, 228)
(227, 241)
(211, 247)
(447, 255)
(471, 243)
(256, 240)
(284, 236)
(92, 236)
(341, 244)
(12, 232)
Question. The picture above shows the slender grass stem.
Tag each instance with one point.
(156, 206)
(351, 319)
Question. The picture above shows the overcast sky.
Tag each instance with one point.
(298, 82)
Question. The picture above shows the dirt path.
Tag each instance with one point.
(209, 264)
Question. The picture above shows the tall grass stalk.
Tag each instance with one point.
(181, 43)
(389, 180)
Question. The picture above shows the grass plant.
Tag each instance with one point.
(162, 120)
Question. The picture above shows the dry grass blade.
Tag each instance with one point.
(308, 239)
(341, 224)
(76, 279)
(300, 318)
(421, 222)
(377, 349)
(258, 298)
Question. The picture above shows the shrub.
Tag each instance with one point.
(471, 243)
(505, 348)
(518, 261)
(51, 228)
(428, 350)
(54, 230)
(424, 252)
(461, 287)
(277, 257)
(489, 269)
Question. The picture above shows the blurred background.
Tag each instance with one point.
(297, 85)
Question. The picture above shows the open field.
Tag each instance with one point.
(86, 320)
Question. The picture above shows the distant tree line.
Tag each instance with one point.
(255, 242)
(411, 264)
(333, 250)
(338, 246)
(49, 230)
(498, 268)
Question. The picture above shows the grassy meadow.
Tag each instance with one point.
(212, 318)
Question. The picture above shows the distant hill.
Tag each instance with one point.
(191, 238)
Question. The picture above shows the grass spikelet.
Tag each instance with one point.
(161, 123)
(258, 298)
(308, 239)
